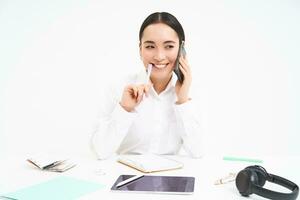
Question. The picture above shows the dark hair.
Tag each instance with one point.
(165, 18)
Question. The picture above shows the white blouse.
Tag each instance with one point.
(157, 125)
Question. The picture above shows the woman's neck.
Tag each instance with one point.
(160, 85)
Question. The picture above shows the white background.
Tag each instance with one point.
(57, 56)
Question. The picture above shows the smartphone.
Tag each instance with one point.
(177, 71)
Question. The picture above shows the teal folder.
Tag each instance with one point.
(60, 188)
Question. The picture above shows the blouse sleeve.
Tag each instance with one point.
(112, 125)
(189, 123)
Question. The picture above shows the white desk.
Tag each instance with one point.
(15, 173)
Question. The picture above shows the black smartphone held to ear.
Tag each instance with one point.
(177, 71)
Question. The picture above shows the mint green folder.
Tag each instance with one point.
(60, 188)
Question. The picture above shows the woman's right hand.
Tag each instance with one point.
(133, 95)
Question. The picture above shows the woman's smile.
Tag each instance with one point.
(160, 66)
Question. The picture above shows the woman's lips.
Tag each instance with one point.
(160, 66)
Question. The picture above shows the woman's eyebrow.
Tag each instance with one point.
(169, 41)
(148, 41)
(165, 42)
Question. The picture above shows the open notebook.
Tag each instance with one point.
(148, 163)
(51, 162)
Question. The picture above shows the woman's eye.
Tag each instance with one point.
(169, 46)
(149, 47)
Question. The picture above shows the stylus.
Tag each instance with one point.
(129, 180)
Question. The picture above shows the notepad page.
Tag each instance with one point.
(150, 162)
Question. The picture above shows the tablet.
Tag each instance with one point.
(157, 184)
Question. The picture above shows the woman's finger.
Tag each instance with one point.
(135, 91)
(183, 70)
(184, 60)
(140, 93)
(184, 64)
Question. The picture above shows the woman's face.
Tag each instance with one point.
(159, 47)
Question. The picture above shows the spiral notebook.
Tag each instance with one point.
(148, 163)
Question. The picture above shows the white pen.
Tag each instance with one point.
(149, 69)
(129, 180)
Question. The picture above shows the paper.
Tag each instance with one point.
(60, 188)
(149, 163)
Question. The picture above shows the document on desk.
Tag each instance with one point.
(148, 163)
(59, 188)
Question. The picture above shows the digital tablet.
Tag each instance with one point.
(156, 184)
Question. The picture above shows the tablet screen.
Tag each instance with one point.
(160, 184)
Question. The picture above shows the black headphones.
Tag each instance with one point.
(252, 179)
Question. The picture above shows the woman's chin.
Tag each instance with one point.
(161, 75)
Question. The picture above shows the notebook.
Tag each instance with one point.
(59, 188)
(51, 163)
(148, 163)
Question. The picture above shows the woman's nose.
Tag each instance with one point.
(159, 55)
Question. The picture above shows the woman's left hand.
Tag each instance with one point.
(182, 89)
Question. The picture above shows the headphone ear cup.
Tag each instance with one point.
(261, 174)
(243, 182)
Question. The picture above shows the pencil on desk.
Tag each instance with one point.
(230, 158)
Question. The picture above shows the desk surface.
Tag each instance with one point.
(15, 173)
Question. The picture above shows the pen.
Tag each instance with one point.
(53, 164)
(129, 180)
(229, 158)
(149, 69)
